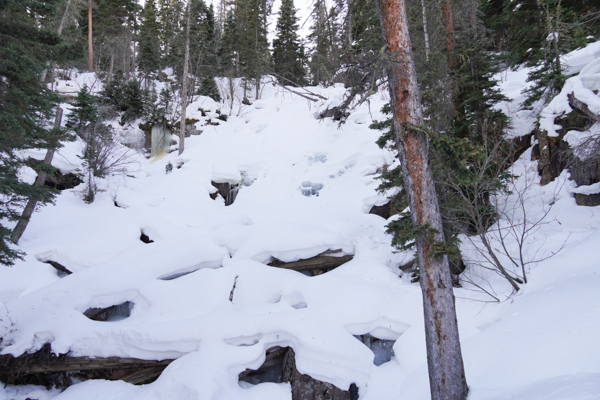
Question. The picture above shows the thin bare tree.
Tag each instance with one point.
(184, 83)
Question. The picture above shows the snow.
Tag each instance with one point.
(540, 343)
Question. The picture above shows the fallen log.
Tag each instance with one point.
(45, 368)
(323, 261)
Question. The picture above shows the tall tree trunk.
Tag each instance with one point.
(425, 31)
(90, 51)
(64, 18)
(185, 79)
(444, 359)
(449, 29)
(18, 230)
(112, 64)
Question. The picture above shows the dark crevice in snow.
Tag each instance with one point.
(280, 366)
(176, 275)
(114, 313)
(381, 348)
(384, 211)
(61, 270)
(227, 190)
(144, 238)
(269, 371)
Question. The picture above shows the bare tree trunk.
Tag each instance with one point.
(112, 64)
(64, 18)
(186, 61)
(444, 359)
(90, 52)
(18, 230)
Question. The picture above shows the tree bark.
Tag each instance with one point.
(444, 359)
(185, 79)
(18, 230)
(449, 29)
(90, 52)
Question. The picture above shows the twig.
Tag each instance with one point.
(233, 288)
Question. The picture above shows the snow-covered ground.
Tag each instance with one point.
(541, 343)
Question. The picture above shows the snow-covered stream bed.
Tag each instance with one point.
(541, 343)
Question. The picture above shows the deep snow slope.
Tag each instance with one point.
(307, 185)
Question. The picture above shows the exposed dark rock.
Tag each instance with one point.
(62, 182)
(227, 190)
(551, 163)
(304, 387)
(47, 369)
(457, 267)
(588, 200)
(521, 144)
(383, 211)
(145, 238)
(535, 152)
(113, 313)
(280, 366)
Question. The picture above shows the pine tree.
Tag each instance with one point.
(26, 105)
(170, 16)
(325, 58)
(287, 54)
(149, 47)
(251, 17)
(114, 24)
(228, 52)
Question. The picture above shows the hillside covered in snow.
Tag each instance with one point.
(180, 274)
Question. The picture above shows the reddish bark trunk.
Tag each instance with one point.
(90, 52)
(449, 29)
(444, 359)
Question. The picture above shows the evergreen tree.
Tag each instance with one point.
(325, 57)
(170, 16)
(114, 24)
(251, 17)
(26, 105)
(84, 111)
(287, 54)
(208, 87)
(149, 47)
(228, 52)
